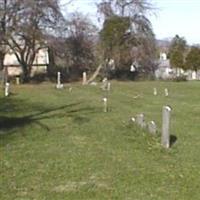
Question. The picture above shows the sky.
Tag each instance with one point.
(171, 17)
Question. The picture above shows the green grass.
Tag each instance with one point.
(57, 145)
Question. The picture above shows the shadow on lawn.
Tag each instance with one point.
(8, 123)
(173, 140)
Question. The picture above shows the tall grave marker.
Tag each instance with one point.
(165, 138)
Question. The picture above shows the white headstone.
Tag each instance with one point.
(7, 88)
(17, 80)
(104, 83)
(84, 78)
(133, 119)
(152, 127)
(155, 91)
(165, 138)
(58, 78)
(108, 86)
(59, 85)
(105, 105)
(132, 68)
(166, 92)
(140, 120)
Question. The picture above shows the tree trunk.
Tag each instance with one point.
(3, 70)
(95, 74)
(25, 73)
(1, 60)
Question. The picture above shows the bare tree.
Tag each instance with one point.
(26, 22)
(80, 43)
(3, 8)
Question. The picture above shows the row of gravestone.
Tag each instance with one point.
(166, 92)
(152, 128)
(105, 84)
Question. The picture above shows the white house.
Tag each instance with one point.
(39, 65)
(165, 71)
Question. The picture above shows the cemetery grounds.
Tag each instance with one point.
(59, 144)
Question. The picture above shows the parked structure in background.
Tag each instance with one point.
(40, 63)
(165, 71)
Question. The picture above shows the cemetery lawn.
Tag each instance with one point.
(59, 145)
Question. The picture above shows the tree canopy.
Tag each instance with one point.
(177, 52)
(127, 34)
(193, 59)
(24, 24)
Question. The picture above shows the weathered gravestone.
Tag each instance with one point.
(84, 82)
(59, 85)
(132, 119)
(104, 84)
(166, 92)
(105, 104)
(108, 86)
(17, 80)
(7, 89)
(152, 128)
(132, 68)
(155, 92)
(165, 137)
(140, 120)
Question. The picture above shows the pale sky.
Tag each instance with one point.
(173, 17)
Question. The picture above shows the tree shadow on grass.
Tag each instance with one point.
(8, 123)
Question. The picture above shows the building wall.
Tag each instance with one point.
(165, 71)
(39, 65)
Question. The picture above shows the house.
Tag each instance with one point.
(40, 63)
(165, 71)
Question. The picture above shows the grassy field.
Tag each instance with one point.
(57, 145)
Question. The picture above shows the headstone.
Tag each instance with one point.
(59, 85)
(104, 83)
(17, 80)
(165, 138)
(105, 104)
(70, 89)
(7, 88)
(155, 92)
(132, 119)
(132, 68)
(111, 64)
(108, 86)
(84, 78)
(152, 127)
(166, 92)
(93, 83)
(140, 120)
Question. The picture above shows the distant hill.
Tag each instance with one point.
(163, 45)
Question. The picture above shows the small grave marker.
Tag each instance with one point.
(165, 138)
(59, 85)
(132, 119)
(152, 127)
(104, 84)
(166, 92)
(7, 89)
(17, 80)
(155, 92)
(108, 86)
(105, 104)
(140, 120)
(84, 78)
